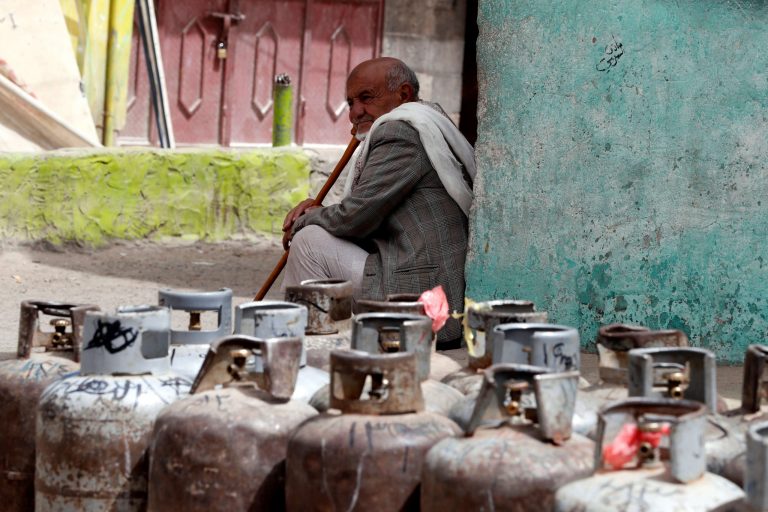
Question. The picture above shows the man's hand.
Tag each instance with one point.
(294, 214)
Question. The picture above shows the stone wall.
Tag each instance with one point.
(91, 197)
(428, 35)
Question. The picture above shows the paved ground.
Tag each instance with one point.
(132, 273)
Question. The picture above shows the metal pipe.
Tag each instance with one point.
(282, 119)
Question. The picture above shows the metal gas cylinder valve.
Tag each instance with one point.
(280, 319)
(393, 333)
(327, 301)
(189, 346)
(440, 364)
(67, 327)
(692, 376)
(482, 319)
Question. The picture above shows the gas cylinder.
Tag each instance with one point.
(224, 446)
(614, 342)
(277, 319)
(189, 347)
(94, 428)
(547, 345)
(756, 474)
(327, 300)
(689, 373)
(751, 412)
(520, 461)
(440, 365)
(383, 333)
(44, 356)
(480, 319)
(649, 456)
(370, 456)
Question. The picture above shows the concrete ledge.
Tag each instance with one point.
(94, 196)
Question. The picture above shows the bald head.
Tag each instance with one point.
(392, 71)
(377, 86)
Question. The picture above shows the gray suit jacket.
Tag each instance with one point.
(399, 211)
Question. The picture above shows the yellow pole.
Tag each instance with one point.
(118, 65)
(93, 66)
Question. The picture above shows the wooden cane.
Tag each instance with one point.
(317, 202)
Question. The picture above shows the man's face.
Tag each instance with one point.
(368, 98)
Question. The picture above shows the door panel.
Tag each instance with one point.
(268, 42)
(344, 33)
(194, 74)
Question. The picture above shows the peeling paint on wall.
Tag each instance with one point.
(90, 198)
(623, 165)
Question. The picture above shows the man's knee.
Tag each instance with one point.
(307, 238)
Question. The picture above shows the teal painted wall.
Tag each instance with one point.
(623, 165)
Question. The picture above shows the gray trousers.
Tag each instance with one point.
(316, 254)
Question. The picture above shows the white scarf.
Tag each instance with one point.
(441, 140)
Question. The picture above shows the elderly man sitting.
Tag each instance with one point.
(401, 226)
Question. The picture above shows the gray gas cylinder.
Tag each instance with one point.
(43, 357)
(440, 365)
(551, 346)
(224, 446)
(480, 319)
(190, 346)
(484, 471)
(382, 333)
(275, 319)
(94, 428)
(690, 373)
(369, 454)
(670, 476)
(614, 341)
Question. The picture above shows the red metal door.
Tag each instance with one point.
(343, 33)
(194, 74)
(228, 101)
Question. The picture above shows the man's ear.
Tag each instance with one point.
(406, 93)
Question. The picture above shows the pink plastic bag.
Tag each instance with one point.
(435, 306)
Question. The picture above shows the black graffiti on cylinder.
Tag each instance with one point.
(563, 360)
(107, 332)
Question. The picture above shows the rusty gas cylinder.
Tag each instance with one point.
(656, 473)
(44, 356)
(277, 319)
(480, 320)
(689, 373)
(440, 365)
(614, 342)
(327, 300)
(94, 428)
(370, 456)
(547, 345)
(386, 333)
(224, 446)
(517, 452)
(189, 346)
(756, 468)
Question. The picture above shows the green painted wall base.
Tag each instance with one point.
(90, 198)
(623, 165)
